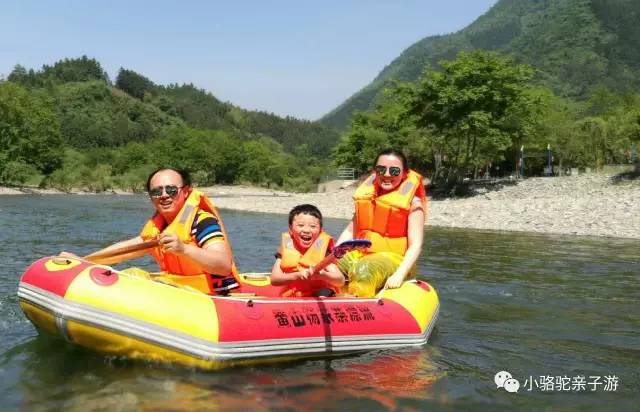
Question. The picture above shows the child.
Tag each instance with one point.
(303, 247)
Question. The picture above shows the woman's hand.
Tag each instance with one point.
(170, 242)
(394, 281)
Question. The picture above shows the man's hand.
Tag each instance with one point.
(68, 255)
(170, 242)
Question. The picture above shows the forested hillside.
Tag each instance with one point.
(575, 46)
(67, 125)
(538, 74)
(481, 114)
(202, 110)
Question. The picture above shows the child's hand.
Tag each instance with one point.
(322, 273)
(304, 274)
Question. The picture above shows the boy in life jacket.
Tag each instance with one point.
(301, 248)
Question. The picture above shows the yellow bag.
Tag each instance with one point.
(368, 273)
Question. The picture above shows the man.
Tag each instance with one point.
(192, 241)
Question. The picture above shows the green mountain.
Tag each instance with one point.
(202, 110)
(575, 45)
(68, 125)
(95, 113)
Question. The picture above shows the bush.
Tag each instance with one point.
(134, 179)
(17, 172)
(98, 179)
(63, 179)
(203, 178)
(302, 184)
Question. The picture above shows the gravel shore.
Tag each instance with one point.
(589, 204)
(37, 191)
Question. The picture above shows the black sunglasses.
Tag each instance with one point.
(393, 170)
(171, 190)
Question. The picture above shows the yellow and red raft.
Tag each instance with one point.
(118, 313)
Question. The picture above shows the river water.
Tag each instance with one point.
(561, 314)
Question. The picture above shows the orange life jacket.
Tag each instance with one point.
(384, 219)
(292, 260)
(181, 226)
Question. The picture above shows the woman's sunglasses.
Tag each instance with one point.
(171, 190)
(393, 170)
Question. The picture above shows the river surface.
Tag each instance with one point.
(561, 314)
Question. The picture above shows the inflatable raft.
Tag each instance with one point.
(121, 314)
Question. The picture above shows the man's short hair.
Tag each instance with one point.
(184, 175)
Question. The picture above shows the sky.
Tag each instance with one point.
(292, 58)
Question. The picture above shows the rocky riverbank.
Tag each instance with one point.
(589, 204)
(592, 204)
(38, 191)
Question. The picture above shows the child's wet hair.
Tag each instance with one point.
(305, 209)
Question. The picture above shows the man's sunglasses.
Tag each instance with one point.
(171, 190)
(393, 170)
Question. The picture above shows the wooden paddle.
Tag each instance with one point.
(99, 257)
(339, 251)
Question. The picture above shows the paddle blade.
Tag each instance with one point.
(339, 251)
(349, 245)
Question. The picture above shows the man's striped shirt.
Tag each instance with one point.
(206, 229)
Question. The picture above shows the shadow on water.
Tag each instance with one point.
(529, 304)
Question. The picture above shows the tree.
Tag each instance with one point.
(450, 123)
(469, 106)
(17, 172)
(63, 71)
(388, 125)
(259, 162)
(133, 83)
(29, 129)
(557, 127)
(19, 75)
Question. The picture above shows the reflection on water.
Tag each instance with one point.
(376, 379)
(532, 305)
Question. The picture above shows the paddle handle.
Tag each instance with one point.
(329, 259)
(341, 249)
(149, 244)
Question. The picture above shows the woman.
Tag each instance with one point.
(390, 210)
